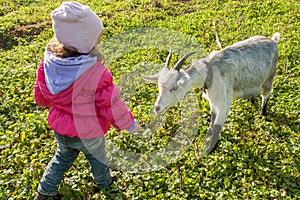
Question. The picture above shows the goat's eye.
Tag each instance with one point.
(174, 88)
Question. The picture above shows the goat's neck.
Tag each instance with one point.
(197, 76)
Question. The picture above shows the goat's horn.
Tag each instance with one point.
(182, 60)
(169, 59)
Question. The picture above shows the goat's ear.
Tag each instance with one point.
(151, 78)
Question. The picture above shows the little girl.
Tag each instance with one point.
(83, 99)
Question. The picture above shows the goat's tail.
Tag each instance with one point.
(276, 37)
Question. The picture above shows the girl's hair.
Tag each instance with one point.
(61, 51)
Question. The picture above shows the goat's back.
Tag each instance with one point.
(246, 65)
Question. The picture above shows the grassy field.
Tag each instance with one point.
(257, 158)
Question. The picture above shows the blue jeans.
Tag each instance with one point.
(66, 153)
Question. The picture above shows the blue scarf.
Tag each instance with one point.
(60, 73)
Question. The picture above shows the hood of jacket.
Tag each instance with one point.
(60, 73)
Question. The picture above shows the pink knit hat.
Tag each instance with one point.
(76, 26)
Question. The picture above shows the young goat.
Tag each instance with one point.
(243, 70)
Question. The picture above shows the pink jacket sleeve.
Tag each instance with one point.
(110, 105)
(38, 95)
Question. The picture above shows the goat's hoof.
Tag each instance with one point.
(211, 148)
(210, 145)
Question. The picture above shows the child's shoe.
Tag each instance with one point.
(41, 197)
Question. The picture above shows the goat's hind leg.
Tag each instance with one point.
(266, 92)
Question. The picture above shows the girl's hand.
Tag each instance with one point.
(136, 129)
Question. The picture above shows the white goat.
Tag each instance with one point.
(243, 70)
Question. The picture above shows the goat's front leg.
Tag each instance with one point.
(219, 112)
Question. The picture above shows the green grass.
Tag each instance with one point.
(257, 158)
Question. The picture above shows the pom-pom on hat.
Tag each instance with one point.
(76, 26)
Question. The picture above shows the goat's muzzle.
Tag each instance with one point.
(158, 109)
